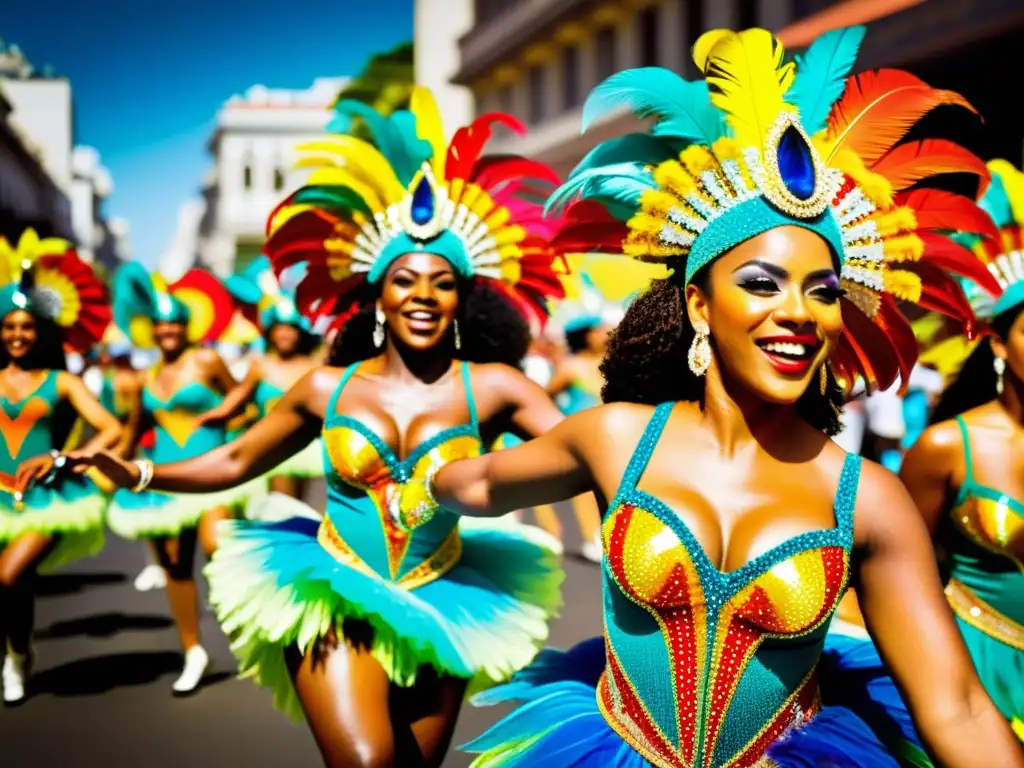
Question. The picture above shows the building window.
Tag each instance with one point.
(505, 99)
(649, 36)
(747, 14)
(694, 20)
(570, 77)
(278, 180)
(535, 107)
(247, 177)
(604, 42)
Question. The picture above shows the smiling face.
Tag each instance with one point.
(170, 337)
(772, 307)
(284, 338)
(419, 298)
(18, 334)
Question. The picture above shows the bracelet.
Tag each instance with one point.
(145, 474)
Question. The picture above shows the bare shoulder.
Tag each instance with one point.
(207, 358)
(939, 449)
(883, 504)
(498, 376)
(617, 422)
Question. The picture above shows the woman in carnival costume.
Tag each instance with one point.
(290, 354)
(177, 401)
(49, 299)
(965, 471)
(732, 523)
(431, 257)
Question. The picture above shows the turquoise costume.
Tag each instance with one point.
(471, 603)
(47, 279)
(72, 509)
(982, 537)
(699, 667)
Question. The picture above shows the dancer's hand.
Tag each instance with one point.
(212, 417)
(32, 471)
(123, 474)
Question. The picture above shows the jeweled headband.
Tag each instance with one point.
(264, 300)
(367, 204)
(762, 143)
(47, 278)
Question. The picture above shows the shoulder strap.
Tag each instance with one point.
(332, 404)
(968, 473)
(470, 401)
(644, 449)
(846, 493)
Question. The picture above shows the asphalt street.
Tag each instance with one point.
(107, 656)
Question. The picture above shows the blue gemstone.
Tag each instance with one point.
(423, 202)
(795, 164)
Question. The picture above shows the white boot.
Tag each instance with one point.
(591, 550)
(15, 676)
(196, 662)
(151, 577)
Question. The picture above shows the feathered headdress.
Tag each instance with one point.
(265, 301)
(198, 300)
(367, 205)
(46, 278)
(1002, 254)
(762, 143)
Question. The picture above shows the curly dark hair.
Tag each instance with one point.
(576, 340)
(491, 329)
(646, 358)
(47, 354)
(976, 384)
(308, 342)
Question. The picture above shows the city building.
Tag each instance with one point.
(254, 155)
(437, 27)
(91, 186)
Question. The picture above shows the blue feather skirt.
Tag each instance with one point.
(863, 724)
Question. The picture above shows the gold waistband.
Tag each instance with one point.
(443, 559)
(979, 614)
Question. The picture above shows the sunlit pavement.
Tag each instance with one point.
(107, 656)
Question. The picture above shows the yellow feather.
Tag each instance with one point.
(286, 213)
(1013, 183)
(876, 187)
(895, 221)
(747, 79)
(903, 285)
(698, 159)
(509, 235)
(903, 248)
(429, 126)
(362, 159)
(340, 177)
(672, 176)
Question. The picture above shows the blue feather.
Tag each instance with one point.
(618, 187)
(401, 147)
(821, 75)
(683, 109)
(133, 294)
(996, 203)
(634, 147)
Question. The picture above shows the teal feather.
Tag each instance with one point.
(402, 148)
(134, 295)
(996, 203)
(617, 187)
(639, 148)
(821, 75)
(683, 109)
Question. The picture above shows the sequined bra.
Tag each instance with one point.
(983, 539)
(707, 668)
(26, 425)
(364, 475)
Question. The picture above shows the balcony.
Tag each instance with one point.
(504, 26)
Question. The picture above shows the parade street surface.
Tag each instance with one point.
(107, 655)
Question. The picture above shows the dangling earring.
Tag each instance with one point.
(823, 377)
(999, 364)
(378, 329)
(699, 356)
(458, 338)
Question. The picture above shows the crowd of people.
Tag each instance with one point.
(458, 341)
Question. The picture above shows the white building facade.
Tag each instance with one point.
(254, 154)
(437, 27)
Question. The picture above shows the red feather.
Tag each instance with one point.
(468, 142)
(936, 209)
(878, 108)
(874, 349)
(223, 305)
(491, 170)
(942, 293)
(908, 163)
(953, 257)
(901, 336)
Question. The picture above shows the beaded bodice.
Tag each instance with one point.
(266, 396)
(983, 539)
(175, 419)
(707, 668)
(364, 477)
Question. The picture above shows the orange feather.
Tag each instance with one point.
(908, 163)
(878, 108)
(938, 210)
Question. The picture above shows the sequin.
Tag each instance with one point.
(993, 525)
(979, 614)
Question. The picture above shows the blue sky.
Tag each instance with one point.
(148, 78)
